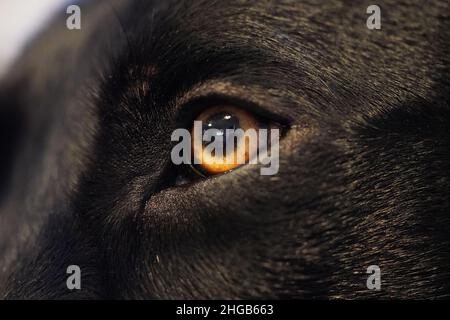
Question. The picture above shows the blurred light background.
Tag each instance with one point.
(19, 21)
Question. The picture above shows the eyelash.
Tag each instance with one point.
(190, 110)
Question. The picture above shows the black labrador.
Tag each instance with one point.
(86, 176)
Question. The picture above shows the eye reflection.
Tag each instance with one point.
(215, 123)
(219, 123)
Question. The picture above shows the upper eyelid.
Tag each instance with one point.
(237, 95)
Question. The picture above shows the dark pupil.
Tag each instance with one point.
(220, 122)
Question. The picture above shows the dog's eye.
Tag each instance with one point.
(224, 138)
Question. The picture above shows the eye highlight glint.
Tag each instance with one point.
(236, 149)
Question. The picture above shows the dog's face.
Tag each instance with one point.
(87, 178)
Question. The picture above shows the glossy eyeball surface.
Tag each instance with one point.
(220, 149)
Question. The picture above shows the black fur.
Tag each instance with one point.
(364, 179)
